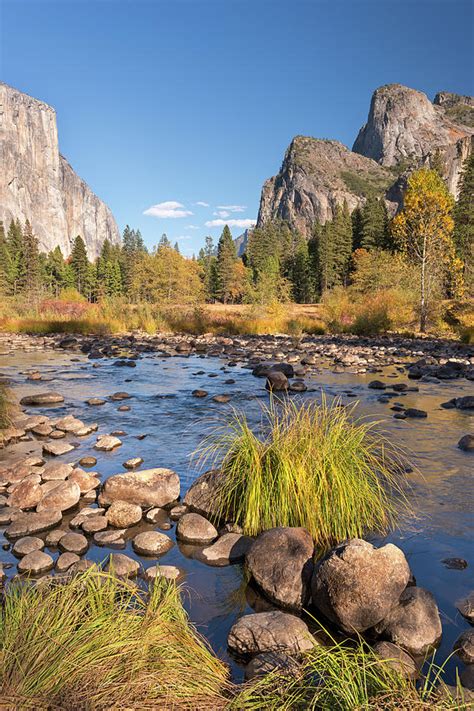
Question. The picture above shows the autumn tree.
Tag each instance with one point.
(423, 230)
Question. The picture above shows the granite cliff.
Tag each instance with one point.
(404, 130)
(37, 182)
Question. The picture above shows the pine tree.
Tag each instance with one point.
(226, 258)
(29, 264)
(6, 267)
(164, 241)
(176, 248)
(356, 219)
(464, 222)
(80, 267)
(15, 247)
(341, 243)
(56, 273)
(374, 229)
(327, 272)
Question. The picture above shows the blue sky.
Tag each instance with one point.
(192, 103)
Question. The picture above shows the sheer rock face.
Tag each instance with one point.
(37, 182)
(403, 131)
(315, 177)
(405, 128)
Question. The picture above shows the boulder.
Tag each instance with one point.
(464, 647)
(26, 494)
(466, 607)
(203, 495)
(133, 463)
(194, 528)
(122, 566)
(35, 563)
(147, 488)
(86, 481)
(73, 543)
(45, 398)
(281, 563)
(56, 471)
(229, 548)
(268, 662)
(111, 539)
(466, 443)
(170, 572)
(270, 632)
(414, 623)
(356, 585)
(152, 543)
(121, 514)
(64, 496)
(27, 544)
(396, 658)
(465, 403)
(106, 443)
(27, 524)
(94, 524)
(56, 449)
(276, 381)
(262, 370)
(65, 561)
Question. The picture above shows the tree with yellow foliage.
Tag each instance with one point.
(423, 230)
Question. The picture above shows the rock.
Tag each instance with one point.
(27, 524)
(122, 566)
(45, 398)
(152, 543)
(203, 495)
(35, 563)
(413, 412)
(112, 539)
(86, 481)
(356, 585)
(121, 514)
(73, 543)
(465, 403)
(120, 396)
(199, 393)
(88, 462)
(464, 647)
(69, 424)
(25, 495)
(396, 658)
(95, 402)
(268, 662)
(170, 572)
(454, 563)
(229, 548)
(65, 561)
(281, 563)
(298, 386)
(56, 471)
(147, 488)
(133, 463)
(194, 528)
(106, 443)
(414, 623)
(270, 632)
(466, 607)
(27, 544)
(376, 385)
(177, 511)
(160, 517)
(276, 381)
(53, 537)
(63, 497)
(467, 677)
(42, 430)
(262, 370)
(94, 524)
(56, 449)
(466, 443)
(223, 398)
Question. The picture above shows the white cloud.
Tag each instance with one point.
(221, 213)
(192, 227)
(232, 208)
(244, 224)
(167, 210)
(202, 204)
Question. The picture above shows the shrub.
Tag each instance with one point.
(97, 642)
(4, 407)
(310, 465)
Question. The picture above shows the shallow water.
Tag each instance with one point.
(162, 408)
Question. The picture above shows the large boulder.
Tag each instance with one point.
(26, 494)
(204, 493)
(281, 563)
(147, 488)
(45, 398)
(270, 632)
(27, 524)
(64, 496)
(356, 585)
(414, 623)
(276, 381)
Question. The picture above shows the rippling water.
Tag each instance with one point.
(162, 408)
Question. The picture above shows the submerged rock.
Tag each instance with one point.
(229, 548)
(152, 543)
(267, 662)
(26, 524)
(466, 443)
(356, 585)
(45, 398)
(281, 563)
(270, 632)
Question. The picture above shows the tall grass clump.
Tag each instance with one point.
(309, 465)
(4, 407)
(97, 642)
(346, 678)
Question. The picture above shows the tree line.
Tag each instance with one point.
(431, 233)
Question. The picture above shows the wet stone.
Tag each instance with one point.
(65, 561)
(27, 544)
(56, 449)
(26, 524)
(170, 572)
(111, 539)
(95, 401)
(88, 462)
(152, 543)
(466, 443)
(106, 443)
(73, 543)
(94, 524)
(194, 528)
(122, 565)
(35, 563)
(133, 463)
(122, 514)
(45, 398)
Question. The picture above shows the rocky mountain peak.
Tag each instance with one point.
(37, 182)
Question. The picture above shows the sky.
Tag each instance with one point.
(176, 111)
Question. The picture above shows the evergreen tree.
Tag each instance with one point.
(437, 163)
(356, 219)
(226, 258)
(15, 247)
(164, 241)
(80, 267)
(374, 228)
(341, 243)
(57, 275)
(176, 248)
(6, 267)
(207, 261)
(29, 264)
(464, 222)
(325, 258)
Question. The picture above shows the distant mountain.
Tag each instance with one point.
(404, 130)
(37, 182)
(241, 243)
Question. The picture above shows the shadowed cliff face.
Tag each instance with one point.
(37, 182)
(403, 131)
